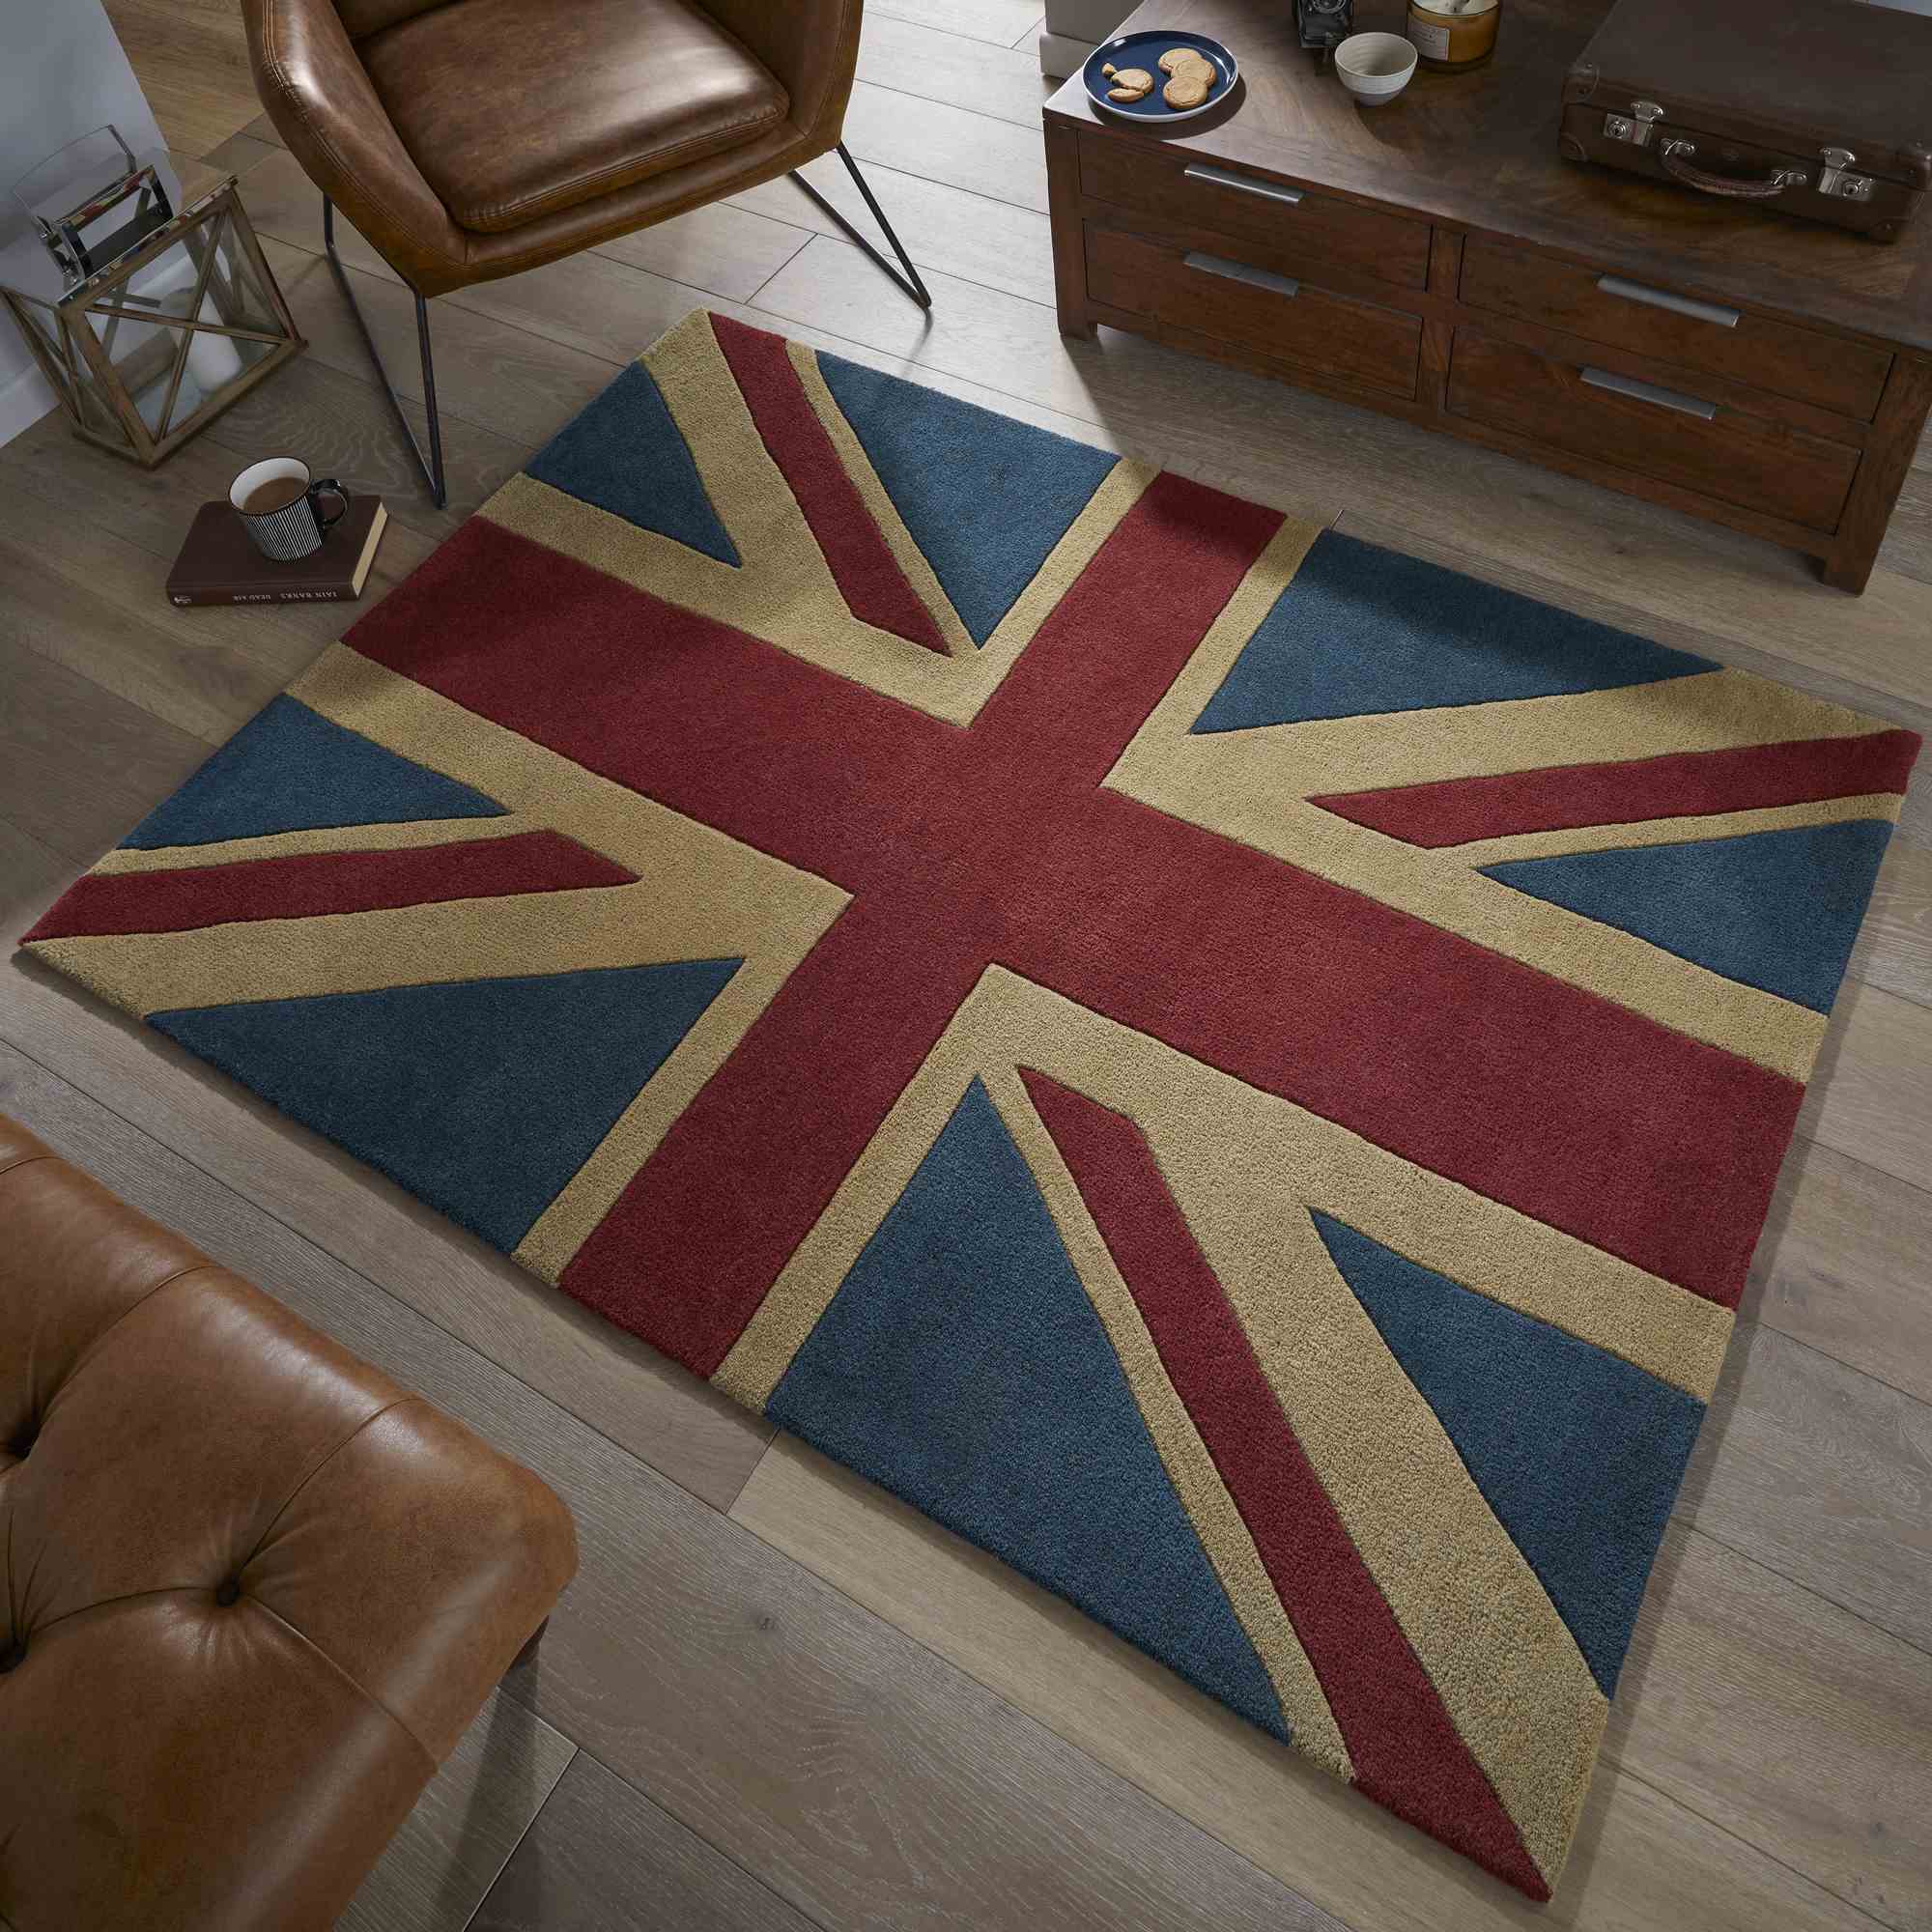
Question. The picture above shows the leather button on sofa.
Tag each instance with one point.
(254, 1591)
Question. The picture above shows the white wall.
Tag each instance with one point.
(62, 73)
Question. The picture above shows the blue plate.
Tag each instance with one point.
(1145, 49)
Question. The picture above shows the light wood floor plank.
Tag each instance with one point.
(31, 872)
(980, 153)
(191, 58)
(658, 1413)
(945, 229)
(1821, 1474)
(78, 765)
(1786, 1721)
(196, 683)
(934, 64)
(725, 250)
(849, 1768)
(1871, 1095)
(1908, 539)
(476, 1810)
(237, 154)
(519, 385)
(999, 21)
(1895, 949)
(1842, 1267)
(1640, 1862)
(602, 1858)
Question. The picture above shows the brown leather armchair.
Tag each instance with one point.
(468, 139)
(252, 1591)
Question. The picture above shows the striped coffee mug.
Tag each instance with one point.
(276, 503)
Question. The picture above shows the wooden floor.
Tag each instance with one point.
(773, 1698)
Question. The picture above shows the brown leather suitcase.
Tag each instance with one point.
(1820, 109)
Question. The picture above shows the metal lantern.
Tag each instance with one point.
(147, 314)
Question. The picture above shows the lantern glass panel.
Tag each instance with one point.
(165, 326)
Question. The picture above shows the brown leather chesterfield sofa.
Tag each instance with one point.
(468, 139)
(254, 1591)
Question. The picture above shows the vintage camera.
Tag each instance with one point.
(1325, 23)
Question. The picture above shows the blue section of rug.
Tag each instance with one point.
(1578, 1452)
(291, 770)
(986, 499)
(1777, 910)
(480, 1097)
(961, 1364)
(627, 455)
(1361, 631)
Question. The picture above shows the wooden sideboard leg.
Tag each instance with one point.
(1848, 570)
(1070, 246)
(1896, 428)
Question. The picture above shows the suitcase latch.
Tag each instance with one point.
(1635, 126)
(1833, 177)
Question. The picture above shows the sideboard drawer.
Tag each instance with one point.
(1802, 363)
(1180, 188)
(1277, 315)
(1673, 437)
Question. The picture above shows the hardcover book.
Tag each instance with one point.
(217, 564)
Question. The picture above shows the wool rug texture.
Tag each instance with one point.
(1236, 1068)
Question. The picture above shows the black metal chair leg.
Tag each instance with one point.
(908, 283)
(430, 465)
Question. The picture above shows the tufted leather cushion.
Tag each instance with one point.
(517, 108)
(254, 1591)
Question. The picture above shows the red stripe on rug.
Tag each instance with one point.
(876, 797)
(1407, 1751)
(303, 884)
(1683, 784)
(863, 565)
(997, 842)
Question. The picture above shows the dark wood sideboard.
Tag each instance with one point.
(1438, 259)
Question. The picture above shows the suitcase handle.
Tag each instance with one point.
(1675, 158)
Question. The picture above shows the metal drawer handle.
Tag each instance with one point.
(1649, 392)
(1699, 311)
(1240, 272)
(1221, 177)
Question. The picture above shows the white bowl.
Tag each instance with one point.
(1375, 68)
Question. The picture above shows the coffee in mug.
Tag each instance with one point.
(277, 505)
(277, 493)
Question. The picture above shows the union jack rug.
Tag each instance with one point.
(1237, 1070)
